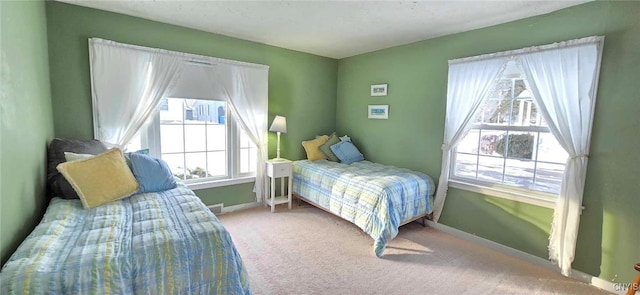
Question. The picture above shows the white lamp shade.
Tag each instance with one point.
(279, 124)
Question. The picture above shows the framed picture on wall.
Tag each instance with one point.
(379, 90)
(378, 111)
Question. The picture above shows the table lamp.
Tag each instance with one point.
(279, 125)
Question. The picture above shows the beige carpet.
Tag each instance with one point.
(308, 251)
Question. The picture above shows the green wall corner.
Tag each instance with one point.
(302, 86)
(411, 137)
(25, 120)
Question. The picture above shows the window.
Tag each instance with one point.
(248, 154)
(509, 145)
(198, 141)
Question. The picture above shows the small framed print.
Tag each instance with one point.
(378, 111)
(379, 90)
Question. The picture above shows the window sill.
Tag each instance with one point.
(219, 183)
(538, 199)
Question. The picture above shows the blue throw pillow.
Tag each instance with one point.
(152, 174)
(127, 156)
(347, 152)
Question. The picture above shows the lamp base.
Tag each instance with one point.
(278, 147)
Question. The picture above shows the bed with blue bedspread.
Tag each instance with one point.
(377, 198)
(149, 243)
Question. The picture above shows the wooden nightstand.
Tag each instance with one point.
(278, 168)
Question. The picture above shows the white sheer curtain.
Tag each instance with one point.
(469, 82)
(127, 85)
(564, 83)
(129, 81)
(246, 91)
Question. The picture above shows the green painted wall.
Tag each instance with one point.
(302, 86)
(417, 76)
(25, 121)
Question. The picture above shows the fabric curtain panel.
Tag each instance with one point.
(469, 82)
(246, 91)
(564, 84)
(127, 85)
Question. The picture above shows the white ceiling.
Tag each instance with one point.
(334, 29)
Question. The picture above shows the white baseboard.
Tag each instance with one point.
(240, 207)
(575, 274)
(219, 209)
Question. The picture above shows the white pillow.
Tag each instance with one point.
(73, 156)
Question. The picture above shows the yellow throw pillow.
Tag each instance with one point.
(100, 179)
(312, 147)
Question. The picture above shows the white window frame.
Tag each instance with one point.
(150, 137)
(500, 190)
(537, 198)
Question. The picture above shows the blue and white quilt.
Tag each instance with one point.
(151, 243)
(375, 197)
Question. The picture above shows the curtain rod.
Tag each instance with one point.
(598, 40)
(190, 57)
